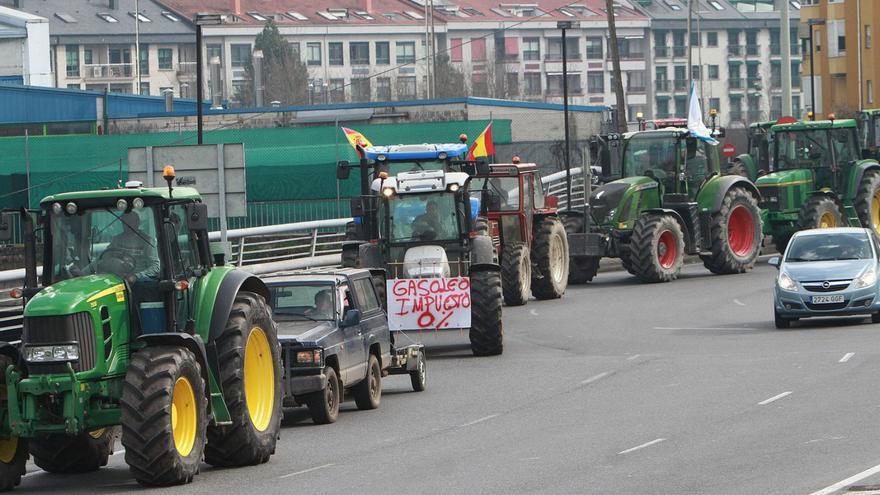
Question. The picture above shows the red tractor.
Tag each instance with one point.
(526, 231)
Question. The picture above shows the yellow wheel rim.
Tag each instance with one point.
(259, 379)
(875, 211)
(8, 448)
(184, 416)
(827, 220)
(96, 434)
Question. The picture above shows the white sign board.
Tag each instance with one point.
(429, 303)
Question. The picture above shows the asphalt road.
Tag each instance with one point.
(617, 388)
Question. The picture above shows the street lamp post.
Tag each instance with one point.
(564, 25)
(810, 24)
(201, 20)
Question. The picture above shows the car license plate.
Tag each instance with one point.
(827, 299)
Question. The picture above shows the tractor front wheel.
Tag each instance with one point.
(516, 274)
(736, 234)
(486, 333)
(550, 258)
(581, 269)
(821, 212)
(13, 450)
(867, 203)
(657, 248)
(250, 372)
(164, 414)
(60, 453)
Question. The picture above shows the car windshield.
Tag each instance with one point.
(106, 241)
(423, 217)
(504, 190)
(304, 302)
(829, 247)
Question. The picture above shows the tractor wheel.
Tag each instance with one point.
(60, 453)
(516, 274)
(250, 373)
(737, 167)
(164, 415)
(13, 450)
(781, 242)
(867, 203)
(821, 212)
(368, 392)
(324, 404)
(581, 269)
(487, 333)
(550, 257)
(657, 248)
(736, 234)
(626, 258)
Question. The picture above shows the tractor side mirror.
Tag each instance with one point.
(482, 168)
(551, 201)
(351, 318)
(343, 170)
(197, 216)
(774, 261)
(5, 227)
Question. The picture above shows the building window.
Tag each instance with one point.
(73, 86)
(478, 49)
(867, 36)
(456, 51)
(532, 83)
(72, 53)
(383, 88)
(144, 66)
(406, 85)
(215, 51)
(532, 49)
(480, 84)
(554, 84)
(680, 81)
(714, 104)
(554, 49)
(240, 55)
(713, 72)
(511, 84)
(712, 38)
(681, 106)
(663, 108)
(596, 82)
(635, 81)
(334, 53)
(87, 56)
(337, 90)
(594, 48)
(145, 88)
(406, 54)
(313, 53)
(695, 38)
(360, 89)
(631, 48)
(678, 43)
(695, 72)
(383, 54)
(869, 90)
(359, 52)
(165, 57)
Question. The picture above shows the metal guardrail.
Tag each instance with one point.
(555, 185)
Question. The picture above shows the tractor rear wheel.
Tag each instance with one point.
(164, 415)
(550, 258)
(581, 269)
(867, 203)
(737, 167)
(60, 453)
(486, 333)
(735, 231)
(657, 248)
(821, 212)
(250, 373)
(516, 274)
(13, 450)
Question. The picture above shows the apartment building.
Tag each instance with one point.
(736, 58)
(93, 45)
(846, 66)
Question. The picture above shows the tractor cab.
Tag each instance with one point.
(869, 133)
(604, 152)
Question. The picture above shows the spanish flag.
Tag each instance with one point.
(356, 139)
(483, 145)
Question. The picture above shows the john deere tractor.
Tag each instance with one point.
(756, 161)
(820, 180)
(869, 133)
(671, 201)
(133, 325)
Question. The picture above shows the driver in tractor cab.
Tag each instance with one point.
(130, 253)
(427, 225)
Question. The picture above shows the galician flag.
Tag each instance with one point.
(355, 138)
(695, 119)
(483, 145)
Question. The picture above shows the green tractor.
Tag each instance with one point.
(869, 133)
(756, 161)
(820, 180)
(671, 201)
(133, 325)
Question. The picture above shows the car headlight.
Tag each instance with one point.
(310, 357)
(786, 283)
(866, 279)
(51, 353)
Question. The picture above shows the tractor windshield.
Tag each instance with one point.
(304, 302)
(106, 241)
(423, 217)
(503, 193)
(659, 156)
(815, 148)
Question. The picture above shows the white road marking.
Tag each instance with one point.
(304, 471)
(845, 483)
(704, 328)
(637, 447)
(595, 378)
(774, 398)
(484, 418)
(737, 301)
(846, 357)
(533, 312)
(633, 357)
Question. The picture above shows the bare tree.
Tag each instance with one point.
(615, 61)
(448, 79)
(285, 76)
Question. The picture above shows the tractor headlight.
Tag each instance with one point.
(57, 208)
(453, 187)
(137, 203)
(70, 208)
(51, 353)
(388, 192)
(310, 357)
(786, 283)
(866, 279)
(121, 204)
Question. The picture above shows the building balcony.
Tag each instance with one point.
(735, 50)
(736, 115)
(679, 51)
(754, 116)
(736, 83)
(186, 70)
(557, 57)
(753, 50)
(636, 88)
(680, 84)
(753, 82)
(661, 52)
(104, 72)
(553, 92)
(664, 85)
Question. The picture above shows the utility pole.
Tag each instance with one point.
(427, 51)
(566, 153)
(618, 76)
(690, 67)
(137, 43)
(433, 52)
(785, 46)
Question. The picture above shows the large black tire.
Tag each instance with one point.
(486, 333)
(516, 274)
(736, 236)
(626, 258)
(867, 202)
(780, 242)
(13, 451)
(148, 403)
(737, 167)
(324, 404)
(368, 392)
(657, 248)
(781, 322)
(419, 377)
(821, 211)
(550, 259)
(60, 453)
(581, 269)
(248, 440)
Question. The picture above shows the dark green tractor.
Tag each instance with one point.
(756, 161)
(869, 133)
(820, 180)
(670, 202)
(132, 324)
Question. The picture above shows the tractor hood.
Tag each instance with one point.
(76, 295)
(785, 178)
(606, 200)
